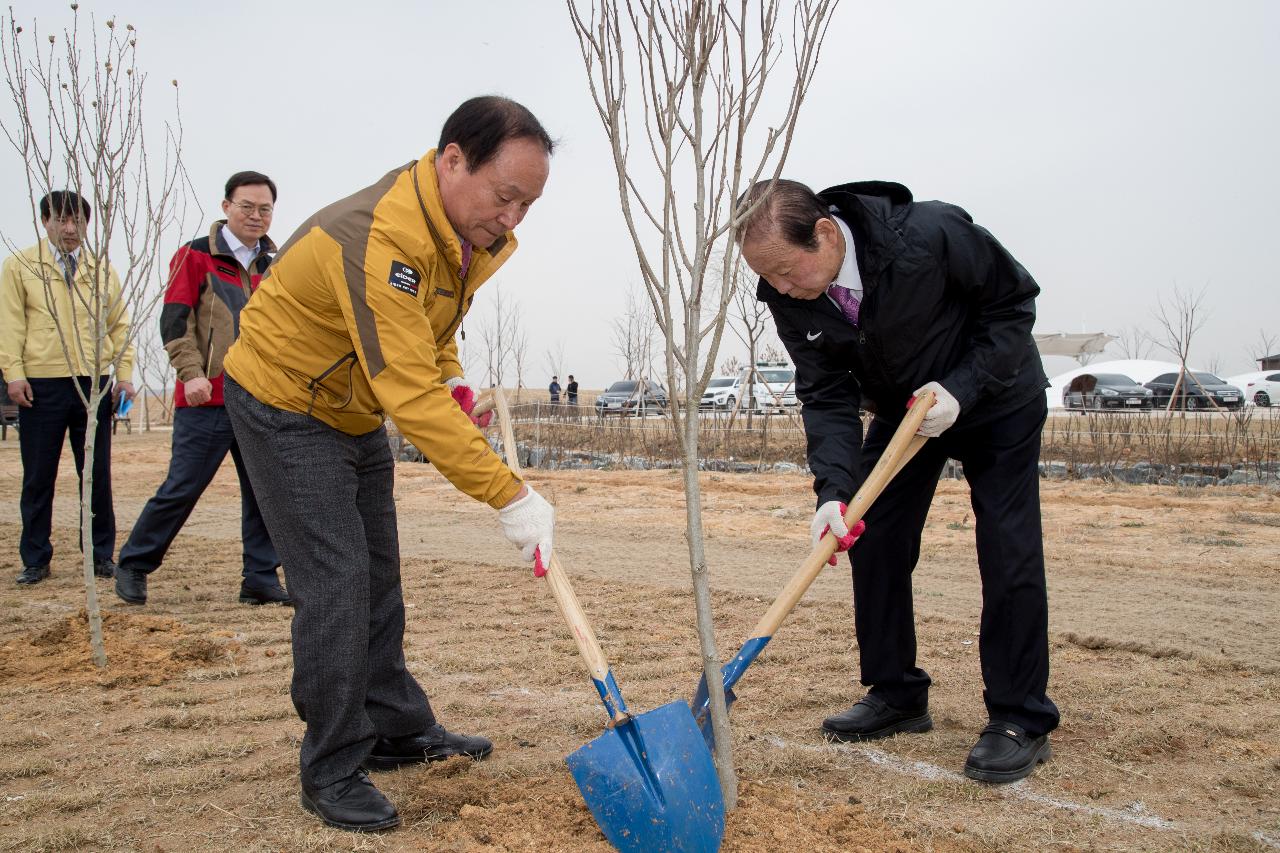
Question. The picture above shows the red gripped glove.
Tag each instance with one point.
(831, 514)
(465, 397)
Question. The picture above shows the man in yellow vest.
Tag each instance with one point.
(355, 322)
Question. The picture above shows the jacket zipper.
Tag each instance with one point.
(462, 280)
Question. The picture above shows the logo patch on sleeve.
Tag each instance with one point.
(404, 278)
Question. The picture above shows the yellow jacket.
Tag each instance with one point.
(356, 318)
(35, 302)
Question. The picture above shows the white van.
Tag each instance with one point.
(774, 387)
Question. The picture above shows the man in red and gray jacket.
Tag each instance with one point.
(210, 280)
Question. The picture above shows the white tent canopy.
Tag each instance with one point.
(1072, 345)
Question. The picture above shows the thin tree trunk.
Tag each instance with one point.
(86, 531)
(706, 623)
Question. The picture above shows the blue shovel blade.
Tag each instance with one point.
(651, 785)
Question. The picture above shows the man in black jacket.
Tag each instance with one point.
(877, 299)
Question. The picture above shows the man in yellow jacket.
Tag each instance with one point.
(355, 322)
(62, 322)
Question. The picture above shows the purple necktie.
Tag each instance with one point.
(845, 301)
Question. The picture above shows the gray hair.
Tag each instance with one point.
(788, 207)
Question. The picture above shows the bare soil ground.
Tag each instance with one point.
(1164, 633)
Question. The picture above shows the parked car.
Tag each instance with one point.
(1195, 392)
(631, 397)
(774, 386)
(1261, 387)
(1106, 391)
(723, 392)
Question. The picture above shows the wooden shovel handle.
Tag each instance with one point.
(904, 445)
(484, 403)
(576, 619)
(508, 433)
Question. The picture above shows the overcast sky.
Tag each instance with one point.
(1118, 149)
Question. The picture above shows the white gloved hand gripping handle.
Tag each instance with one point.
(528, 523)
(942, 414)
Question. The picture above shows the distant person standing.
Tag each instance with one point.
(572, 390)
(210, 280)
(44, 289)
(554, 388)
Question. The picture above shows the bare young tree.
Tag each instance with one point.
(78, 124)
(750, 322)
(555, 358)
(693, 77)
(632, 337)
(154, 378)
(1179, 318)
(497, 337)
(1263, 346)
(519, 351)
(1134, 343)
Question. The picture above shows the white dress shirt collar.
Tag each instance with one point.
(244, 254)
(58, 254)
(848, 277)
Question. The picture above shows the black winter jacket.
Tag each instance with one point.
(943, 302)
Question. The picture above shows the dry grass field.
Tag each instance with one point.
(1164, 634)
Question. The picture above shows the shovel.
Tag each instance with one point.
(648, 780)
(904, 445)
(496, 399)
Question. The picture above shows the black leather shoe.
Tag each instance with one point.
(872, 718)
(33, 574)
(353, 804)
(131, 585)
(264, 595)
(104, 569)
(435, 744)
(1005, 753)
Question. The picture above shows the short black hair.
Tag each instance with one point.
(789, 207)
(248, 179)
(480, 125)
(63, 202)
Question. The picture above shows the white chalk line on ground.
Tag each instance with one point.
(1136, 814)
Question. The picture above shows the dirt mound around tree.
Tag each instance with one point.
(140, 650)
(549, 814)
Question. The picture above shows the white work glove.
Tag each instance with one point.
(528, 523)
(942, 414)
(830, 516)
(465, 396)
